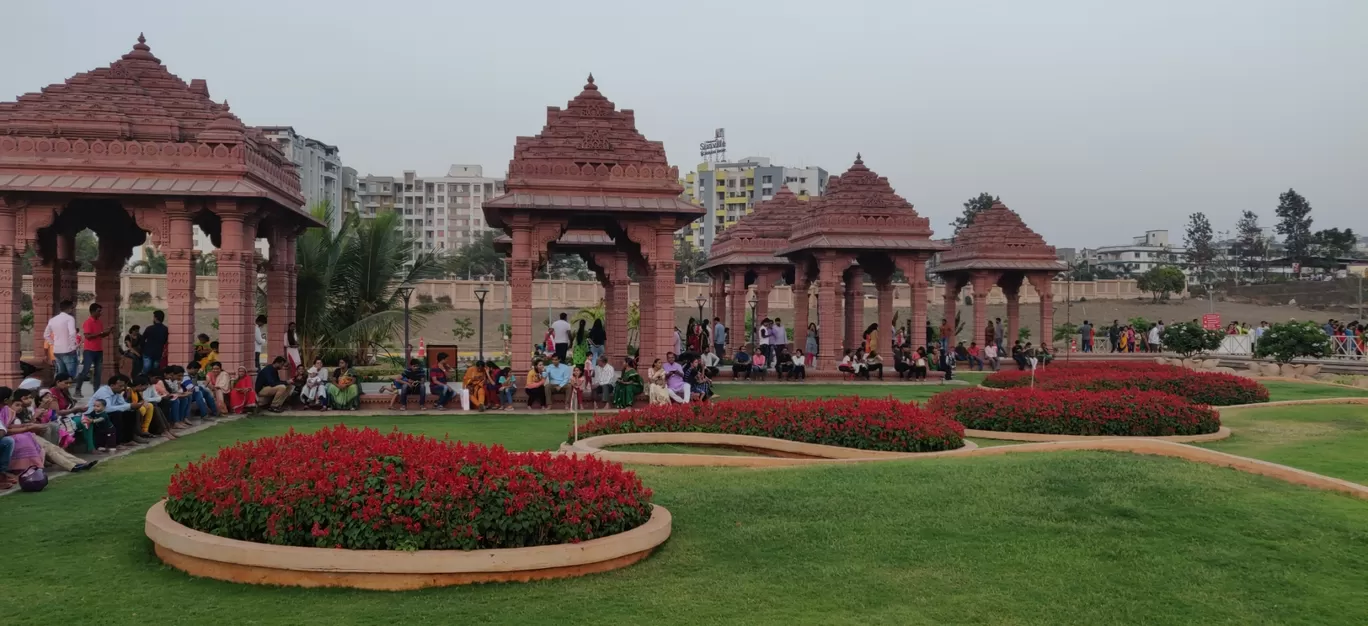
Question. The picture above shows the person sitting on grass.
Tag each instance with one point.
(700, 386)
(741, 363)
(219, 385)
(97, 423)
(202, 348)
(675, 383)
(270, 388)
(202, 398)
(242, 398)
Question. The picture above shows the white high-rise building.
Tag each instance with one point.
(441, 213)
(320, 169)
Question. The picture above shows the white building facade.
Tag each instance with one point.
(1144, 253)
(729, 191)
(440, 213)
(319, 165)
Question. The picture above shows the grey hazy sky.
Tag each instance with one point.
(1094, 120)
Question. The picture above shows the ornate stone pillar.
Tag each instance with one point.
(108, 288)
(663, 274)
(719, 298)
(830, 305)
(236, 337)
(1044, 287)
(914, 269)
(736, 325)
(619, 317)
(45, 279)
(953, 285)
(292, 281)
(764, 282)
(11, 291)
(854, 307)
(277, 291)
(249, 260)
(180, 284)
(801, 305)
(884, 285)
(982, 285)
(1013, 293)
(646, 314)
(522, 264)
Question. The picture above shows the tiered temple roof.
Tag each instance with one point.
(861, 211)
(590, 157)
(134, 127)
(755, 238)
(998, 239)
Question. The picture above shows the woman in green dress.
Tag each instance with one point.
(629, 384)
(580, 347)
(344, 393)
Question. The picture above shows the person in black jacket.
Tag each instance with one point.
(152, 343)
(270, 387)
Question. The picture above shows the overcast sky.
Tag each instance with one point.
(1094, 120)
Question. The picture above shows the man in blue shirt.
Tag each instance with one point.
(719, 336)
(557, 377)
(741, 363)
(269, 386)
(122, 413)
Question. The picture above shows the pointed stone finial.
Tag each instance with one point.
(142, 39)
(141, 50)
(858, 160)
(590, 86)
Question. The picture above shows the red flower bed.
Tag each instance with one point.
(1213, 388)
(360, 489)
(1124, 413)
(887, 425)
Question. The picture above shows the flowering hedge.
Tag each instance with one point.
(360, 489)
(1214, 388)
(1123, 412)
(866, 424)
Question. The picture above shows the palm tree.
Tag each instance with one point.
(152, 262)
(206, 264)
(348, 289)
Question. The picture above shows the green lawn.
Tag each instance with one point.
(1330, 439)
(1068, 538)
(1281, 390)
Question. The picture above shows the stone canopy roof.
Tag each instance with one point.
(998, 239)
(136, 121)
(755, 238)
(590, 156)
(861, 211)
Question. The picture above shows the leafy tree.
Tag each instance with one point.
(1286, 341)
(1200, 251)
(1250, 246)
(87, 250)
(477, 258)
(1294, 224)
(206, 264)
(1332, 243)
(348, 289)
(566, 267)
(463, 329)
(1065, 331)
(1140, 324)
(1162, 280)
(152, 262)
(972, 208)
(1188, 339)
(691, 261)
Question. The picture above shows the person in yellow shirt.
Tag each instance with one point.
(210, 356)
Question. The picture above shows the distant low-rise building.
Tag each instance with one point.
(1144, 253)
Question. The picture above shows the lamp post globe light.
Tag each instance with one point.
(406, 293)
(701, 300)
(480, 293)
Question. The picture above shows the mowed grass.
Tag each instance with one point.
(1330, 439)
(1285, 390)
(1065, 538)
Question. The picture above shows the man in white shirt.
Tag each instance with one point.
(604, 377)
(990, 356)
(260, 339)
(560, 335)
(61, 335)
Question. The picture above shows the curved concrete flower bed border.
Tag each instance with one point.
(209, 556)
(792, 452)
(1012, 436)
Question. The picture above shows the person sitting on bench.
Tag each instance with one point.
(741, 363)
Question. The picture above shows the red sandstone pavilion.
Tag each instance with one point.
(590, 184)
(131, 151)
(862, 227)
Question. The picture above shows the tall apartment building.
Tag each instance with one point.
(440, 213)
(728, 191)
(319, 165)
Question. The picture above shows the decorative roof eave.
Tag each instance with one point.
(572, 240)
(740, 259)
(999, 238)
(860, 243)
(1009, 265)
(581, 204)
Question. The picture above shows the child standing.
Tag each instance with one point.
(508, 385)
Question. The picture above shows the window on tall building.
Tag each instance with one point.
(803, 179)
(768, 179)
(441, 199)
(441, 186)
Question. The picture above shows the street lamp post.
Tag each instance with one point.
(755, 322)
(480, 293)
(701, 300)
(406, 293)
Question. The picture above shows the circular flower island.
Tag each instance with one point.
(356, 508)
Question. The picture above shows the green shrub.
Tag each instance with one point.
(1188, 338)
(1286, 341)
